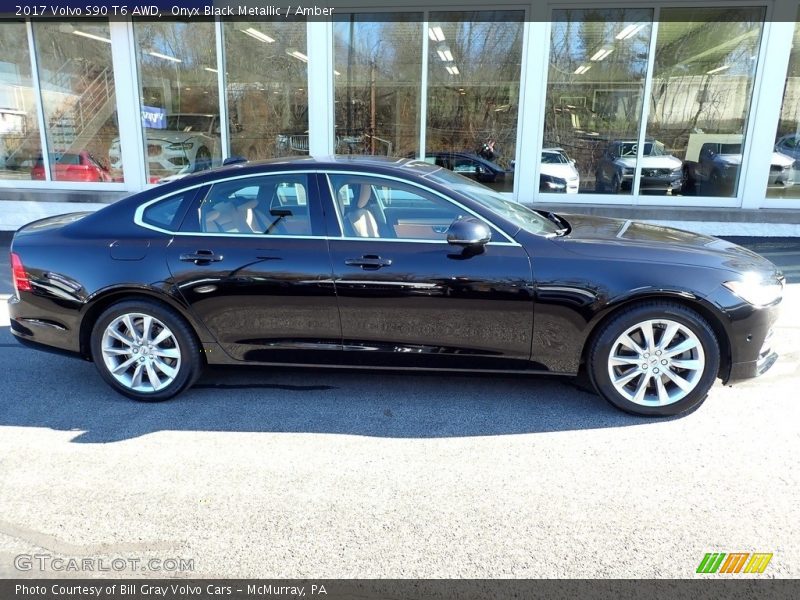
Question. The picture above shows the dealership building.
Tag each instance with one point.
(666, 111)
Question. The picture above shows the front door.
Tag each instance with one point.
(408, 298)
(252, 263)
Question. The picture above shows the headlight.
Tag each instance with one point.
(555, 184)
(678, 171)
(180, 146)
(754, 290)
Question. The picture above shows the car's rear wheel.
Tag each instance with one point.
(145, 350)
(656, 359)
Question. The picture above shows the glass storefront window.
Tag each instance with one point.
(76, 79)
(705, 64)
(784, 179)
(377, 66)
(20, 144)
(267, 77)
(474, 66)
(595, 86)
(180, 98)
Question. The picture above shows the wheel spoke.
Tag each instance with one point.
(663, 395)
(115, 351)
(692, 365)
(678, 380)
(123, 366)
(122, 338)
(621, 381)
(625, 360)
(167, 352)
(684, 346)
(163, 335)
(128, 321)
(136, 380)
(147, 323)
(627, 340)
(667, 335)
(165, 368)
(647, 332)
(640, 391)
(152, 376)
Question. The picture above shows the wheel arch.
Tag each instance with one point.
(101, 301)
(704, 309)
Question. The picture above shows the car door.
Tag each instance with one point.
(408, 298)
(251, 261)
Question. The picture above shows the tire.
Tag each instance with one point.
(175, 360)
(652, 379)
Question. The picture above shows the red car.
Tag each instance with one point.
(80, 166)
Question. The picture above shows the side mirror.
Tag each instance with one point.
(468, 232)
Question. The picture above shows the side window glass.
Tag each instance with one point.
(164, 213)
(371, 207)
(269, 205)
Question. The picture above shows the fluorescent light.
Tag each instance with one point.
(582, 69)
(453, 70)
(297, 55)
(448, 55)
(445, 55)
(91, 36)
(164, 56)
(335, 72)
(441, 55)
(436, 34)
(629, 31)
(718, 69)
(210, 70)
(601, 54)
(255, 33)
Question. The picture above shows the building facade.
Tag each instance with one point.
(631, 104)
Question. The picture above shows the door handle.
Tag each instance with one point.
(201, 257)
(368, 262)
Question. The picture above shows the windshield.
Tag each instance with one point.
(553, 158)
(650, 149)
(189, 122)
(516, 213)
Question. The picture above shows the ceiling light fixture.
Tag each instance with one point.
(298, 55)
(164, 56)
(91, 36)
(718, 69)
(630, 31)
(255, 33)
(436, 34)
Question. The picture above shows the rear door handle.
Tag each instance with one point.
(201, 257)
(368, 262)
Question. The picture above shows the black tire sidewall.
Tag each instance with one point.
(191, 362)
(602, 346)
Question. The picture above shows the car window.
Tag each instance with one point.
(553, 158)
(268, 205)
(373, 207)
(163, 213)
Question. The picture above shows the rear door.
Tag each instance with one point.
(252, 262)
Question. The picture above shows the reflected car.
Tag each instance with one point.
(661, 172)
(476, 167)
(719, 164)
(190, 140)
(558, 173)
(789, 145)
(72, 166)
(388, 263)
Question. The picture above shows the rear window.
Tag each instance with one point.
(164, 213)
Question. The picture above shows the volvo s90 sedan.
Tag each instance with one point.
(393, 264)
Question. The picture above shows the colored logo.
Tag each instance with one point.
(736, 562)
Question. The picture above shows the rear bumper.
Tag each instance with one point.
(35, 324)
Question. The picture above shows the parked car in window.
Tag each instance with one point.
(388, 263)
(72, 166)
(189, 140)
(660, 171)
(557, 172)
(713, 162)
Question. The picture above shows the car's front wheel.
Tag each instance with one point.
(655, 359)
(145, 350)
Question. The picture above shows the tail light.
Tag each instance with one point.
(21, 281)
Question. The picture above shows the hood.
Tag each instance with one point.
(729, 159)
(781, 160)
(651, 162)
(166, 135)
(617, 238)
(562, 171)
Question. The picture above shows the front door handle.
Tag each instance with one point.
(201, 257)
(368, 262)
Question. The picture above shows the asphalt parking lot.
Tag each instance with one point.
(313, 473)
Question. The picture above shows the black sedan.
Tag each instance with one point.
(388, 264)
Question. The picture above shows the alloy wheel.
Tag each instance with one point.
(656, 362)
(141, 352)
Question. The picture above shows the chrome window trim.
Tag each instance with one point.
(138, 214)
